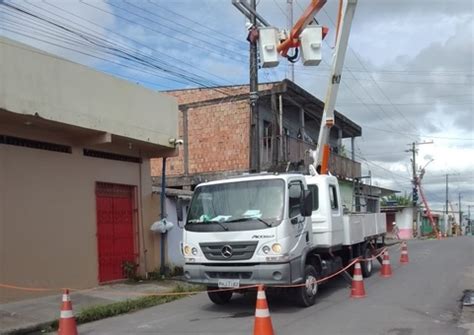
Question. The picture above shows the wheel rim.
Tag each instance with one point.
(311, 286)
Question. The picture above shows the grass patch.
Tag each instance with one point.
(99, 312)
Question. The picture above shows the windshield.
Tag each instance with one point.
(224, 205)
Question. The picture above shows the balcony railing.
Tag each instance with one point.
(295, 150)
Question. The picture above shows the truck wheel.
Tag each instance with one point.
(219, 297)
(306, 295)
(366, 265)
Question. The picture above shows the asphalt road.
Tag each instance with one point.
(422, 297)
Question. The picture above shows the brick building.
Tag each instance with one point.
(221, 137)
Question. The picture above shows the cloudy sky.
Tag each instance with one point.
(408, 74)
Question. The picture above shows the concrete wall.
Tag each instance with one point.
(36, 83)
(404, 220)
(48, 213)
(175, 236)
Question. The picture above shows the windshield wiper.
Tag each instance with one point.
(207, 222)
(220, 224)
(268, 224)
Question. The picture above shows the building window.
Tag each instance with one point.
(111, 156)
(32, 144)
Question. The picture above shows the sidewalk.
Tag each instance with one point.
(25, 316)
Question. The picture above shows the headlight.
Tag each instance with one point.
(187, 250)
(266, 249)
(194, 251)
(276, 248)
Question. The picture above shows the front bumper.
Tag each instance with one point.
(267, 274)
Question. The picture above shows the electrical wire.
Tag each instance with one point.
(168, 56)
(189, 43)
(121, 53)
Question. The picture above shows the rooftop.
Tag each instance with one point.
(48, 92)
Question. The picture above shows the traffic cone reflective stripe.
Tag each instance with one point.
(386, 267)
(404, 254)
(67, 322)
(66, 314)
(263, 321)
(357, 289)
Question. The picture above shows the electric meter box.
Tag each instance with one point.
(311, 43)
(267, 44)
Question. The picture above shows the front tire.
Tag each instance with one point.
(366, 266)
(306, 295)
(219, 297)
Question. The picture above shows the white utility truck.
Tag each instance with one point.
(280, 229)
(273, 229)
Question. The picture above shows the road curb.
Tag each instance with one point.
(29, 329)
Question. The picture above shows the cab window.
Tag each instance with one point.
(333, 197)
(314, 192)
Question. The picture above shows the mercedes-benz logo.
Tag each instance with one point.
(226, 251)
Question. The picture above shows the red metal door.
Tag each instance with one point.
(115, 229)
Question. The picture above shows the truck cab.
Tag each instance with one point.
(248, 230)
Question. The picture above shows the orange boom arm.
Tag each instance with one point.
(293, 40)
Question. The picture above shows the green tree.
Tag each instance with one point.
(401, 200)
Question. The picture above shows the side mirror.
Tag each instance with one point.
(307, 208)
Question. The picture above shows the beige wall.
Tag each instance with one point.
(36, 83)
(48, 214)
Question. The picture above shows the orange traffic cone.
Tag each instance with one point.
(404, 254)
(263, 321)
(386, 267)
(357, 290)
(67, 322)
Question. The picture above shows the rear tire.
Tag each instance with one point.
(366, 266)
(219, 297)
(306, 295)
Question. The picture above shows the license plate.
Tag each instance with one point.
(228, 283)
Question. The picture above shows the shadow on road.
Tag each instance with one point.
(243, 305)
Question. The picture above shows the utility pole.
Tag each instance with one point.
(291, 66)
(414, 151)
(255, 119)
(460, 212)
(447, 193)
(469, 221)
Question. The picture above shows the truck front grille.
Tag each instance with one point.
(232, 251)
(228, 275)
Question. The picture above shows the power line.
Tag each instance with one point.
(301, 72)
(118, 52)
(203, 47)
(198, 24)
(281, 9)
(132, 40)
(411, 134)
(174, 29)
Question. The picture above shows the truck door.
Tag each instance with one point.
(299, 230)
(336, 214)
